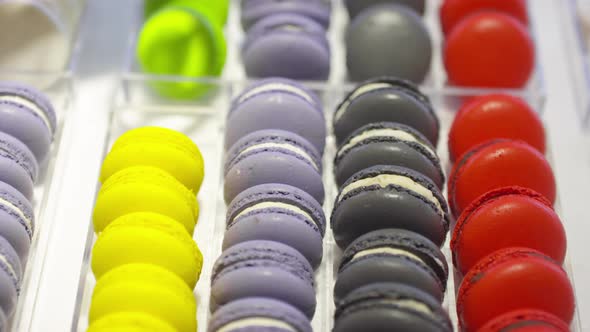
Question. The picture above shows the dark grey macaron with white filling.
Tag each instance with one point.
(387, 143)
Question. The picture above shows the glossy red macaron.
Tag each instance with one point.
(503, 218)
(496, 164)
(453, 11)
(513, 279)
(495, 116)
(489, 49)
(525, 320)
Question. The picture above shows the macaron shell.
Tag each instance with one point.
(8, 294)
(11, 275)
(453, 11)
(18, 166)
(14, 209)
(15, 233)
(526, 320)
(130, 322)
(314, 9)
(356, 7)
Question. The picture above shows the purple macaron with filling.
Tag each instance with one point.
(287, 45)
(281, 213)
(255, 10)
(273, 156)
(18, 166)
(277, 103)
(11, 275)
(16, 220)
(266, 269)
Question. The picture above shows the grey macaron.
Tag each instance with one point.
(356, 7)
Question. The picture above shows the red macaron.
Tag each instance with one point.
(495, 116)
(489, 49)
(503, 218)
(453, 11)
(525, 320)
(513, 279)
(496, 164)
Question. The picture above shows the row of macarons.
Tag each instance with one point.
(27, 128)
(145, 216)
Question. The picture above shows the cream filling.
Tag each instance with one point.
(285, 146)
(357, 93)
(384, 180)
(390, 251)
(413, 305)
(278, 86)
(18, 211)
(8, 265)
(265, 205)
(257, 321)
(383, 132)
(32, 106)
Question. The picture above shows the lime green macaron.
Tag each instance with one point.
(217, 10)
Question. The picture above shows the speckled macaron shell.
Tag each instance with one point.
(18, 166)
(265, 269)
(11, 275)
(392, 255)
(525, 320)
(388, 39)
(287, 45)
(17, 220)
(28, 115)
(389, 197)
(259, 314)
(277, 103)
(356, 7)
(387, 143)
(386, 100)
(273, 156)
(280, 213)
(378, 307)
(255, 10)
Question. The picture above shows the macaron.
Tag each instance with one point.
(356, 7)
(17, 220)
(389, 197)
(277, 103)
(287, 45)
(277, 212)
(18, 166)
(495, 116)
(489, 49)
(130, 322)
(148, 289)
(512, 279)
(392, 255)
(507, 217)
(383, 307)
(255, 10)
(386, 100)
(525, 320)
(164, 148)
(259, 314)
(28, 115)
(495, 164)
(217, 11)
(144, 189)
(263, 269)
(273, 156)
(387, 143)
(453, 11)
(11, 275)
(374, 42)
(151, 238)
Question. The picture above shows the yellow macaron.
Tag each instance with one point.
(145, 288)
(164, 148)
(130, 322)
(144, 189)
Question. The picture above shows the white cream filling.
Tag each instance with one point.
(384, 180)
(413, 305)
(18, 211)
(266, 205)
(11, 270)
(383, 132)
(357, 93)
(391, 251)
(285, 146)
(257, 321)
(278, 86)
(32, 106)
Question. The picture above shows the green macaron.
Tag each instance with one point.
(218, 9)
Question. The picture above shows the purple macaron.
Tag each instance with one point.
(259, 314)
(255, 10)
(10, 277)
(17, 220)
(28, 115)
(287, 45)
(281, 213)
(273, 156)
(263, 269)
(18, 166)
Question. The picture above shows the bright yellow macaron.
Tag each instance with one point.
(145, 288)
(164, 148)
(145, 237)
(144, 189)
(130, 322)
